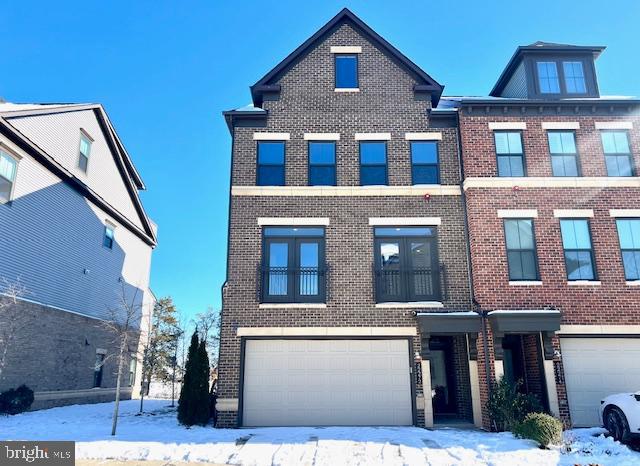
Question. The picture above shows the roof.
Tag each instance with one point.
(132, 179)
(540, 47)
(453, 103)
(267, 82)
(248, 112)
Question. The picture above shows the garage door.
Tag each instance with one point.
(595, 368)
(326, 382)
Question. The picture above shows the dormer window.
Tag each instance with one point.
(85, 151)
(574, 77)
(548, 77)
(346, 71)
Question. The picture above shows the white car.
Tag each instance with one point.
(620, 415)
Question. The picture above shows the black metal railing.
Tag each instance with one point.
(292, 285)
(404, 284)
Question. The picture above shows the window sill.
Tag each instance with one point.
(525, 282)
(347, 89)
(410, 305)
(584, 283)
(633, 282)
(292, 306)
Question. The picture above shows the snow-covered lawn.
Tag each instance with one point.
(156, 435)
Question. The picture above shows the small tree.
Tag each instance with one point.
(193, 405)
(508, 407)
(123, 323)
(208, 324)
(12, 318)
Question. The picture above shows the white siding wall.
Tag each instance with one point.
(59, 136)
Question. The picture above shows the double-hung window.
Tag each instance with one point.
(8, 167)
(346, 69)
(84, 152)
(548, 77)
(322, 163)
(424, 162)
(564, 155)
(108, 237)
(578, 252)
(574, 77)
(293, 268)
(373, 163)
(629, 236)
(521, 249)
(270, 163)
(406, 264)
(617, 154)
(509, 153)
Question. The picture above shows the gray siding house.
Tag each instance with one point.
(75, 237)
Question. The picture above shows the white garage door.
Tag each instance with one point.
(595, 368)
(326, 382)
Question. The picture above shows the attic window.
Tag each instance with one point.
(346, 67)
(85, 151)
(548, 77)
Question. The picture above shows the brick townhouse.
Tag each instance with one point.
(350, 298)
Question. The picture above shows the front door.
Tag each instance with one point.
(442, 377)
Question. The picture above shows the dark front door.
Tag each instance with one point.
(442, 377)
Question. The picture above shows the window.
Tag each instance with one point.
(346, 71)
(322, 163)
(373, 163)
(578, 254)
(574, 77)
(406, 264)
(509, 153)
(521, 249)
(8, 167)
(617, 154)
(293, 269)
(270, 163)
(548, 77)
(97, 370)
(629, 236)
(85, 150)
(424, 163)
(133, 363)
(109, 233)
(564, 157)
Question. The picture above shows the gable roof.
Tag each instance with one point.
(426, 82)
(129, 174)
(537, 47)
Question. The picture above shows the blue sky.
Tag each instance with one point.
(165, 70)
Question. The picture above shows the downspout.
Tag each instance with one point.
(483, 314)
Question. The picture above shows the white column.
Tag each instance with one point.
(552, 392)
(426, 388)
(498, 366)
(475, 393)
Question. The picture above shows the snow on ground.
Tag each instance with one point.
(157, 435)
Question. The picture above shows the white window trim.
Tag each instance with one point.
(271, 136)
(346, 49)
(614, 124)
(372, 136)
(84, 134)
(293, 221)
(553, 125)
(326, 331)
(347, 89)
(433, 136)
(573, 213)
(16, 158)
(411, 221)
(625, 213)
(518, 213)
(321, 136)
(506, 125)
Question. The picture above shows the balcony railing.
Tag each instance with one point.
(405, 284)
(292, 285)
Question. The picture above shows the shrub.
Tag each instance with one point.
(16, 400)
(508, 407)
(541, 427)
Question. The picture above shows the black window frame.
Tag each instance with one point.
(284, 162)
(538, 77)
(335, 69)
(623, 250)
(536, 277)
(522, 155)
(562, 154)
(413, 164)
(386, 162)
(334, 165)
(584, 77)
(293, 294)
(629, 155)
(590, 250)
(407, 293)
(12, 182)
